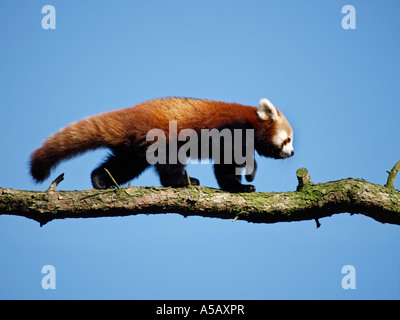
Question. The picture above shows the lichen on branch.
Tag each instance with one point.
(309, 202)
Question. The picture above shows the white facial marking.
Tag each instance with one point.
(280, 141)
(279, 138)
(287, 150)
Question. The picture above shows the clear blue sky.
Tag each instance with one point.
(338, 88)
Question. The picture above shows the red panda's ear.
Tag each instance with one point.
(266, 110)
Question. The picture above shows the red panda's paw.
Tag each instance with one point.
(194, 181)
(241, 188)
(248, 188)
(100, 180)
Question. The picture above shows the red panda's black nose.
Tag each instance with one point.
(292, 153)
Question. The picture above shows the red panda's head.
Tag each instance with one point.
(274, 135)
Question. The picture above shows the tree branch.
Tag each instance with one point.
(392, 175)
(309, 202)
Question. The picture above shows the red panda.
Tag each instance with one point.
(124, 132)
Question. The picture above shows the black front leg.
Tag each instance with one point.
(250, 176)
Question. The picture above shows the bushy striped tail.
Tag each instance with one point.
(105, 130)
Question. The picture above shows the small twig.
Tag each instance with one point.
(317, 222)
(187, 177)
(112, 178)
(392, 175)
(303, 177)
(56, 182)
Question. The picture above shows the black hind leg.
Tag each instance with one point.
(228, 180)
(172, 175)
(123, 167)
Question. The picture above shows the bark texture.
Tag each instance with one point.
(310, 201)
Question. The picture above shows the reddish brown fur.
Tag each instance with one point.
(114, 128)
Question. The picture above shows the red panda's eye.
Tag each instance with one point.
(289, 139)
